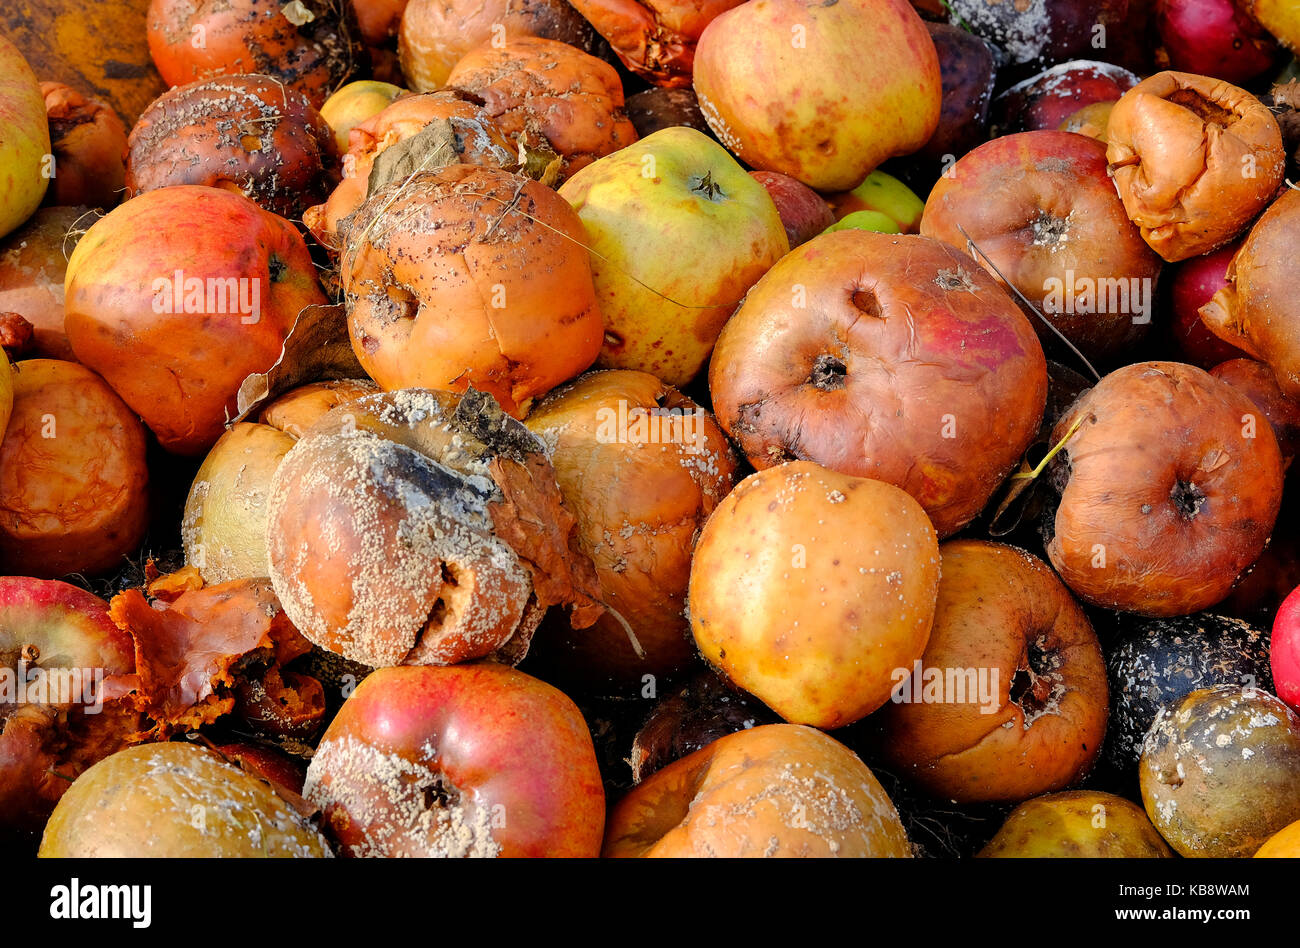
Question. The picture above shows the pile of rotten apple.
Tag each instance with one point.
(426, 437)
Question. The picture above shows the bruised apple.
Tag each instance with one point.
(1009, 698)
(810, 587)
(655, 39)
(779, 790)
(1170, 483)
(473, 760)
(33, 264)
(894, 357)
(642, 467)
(719, 231)
(1043, 208)
(1194, 159)
(179, 294)
(786, 86)
(57, 647)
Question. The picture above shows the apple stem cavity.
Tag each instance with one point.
(709, 189)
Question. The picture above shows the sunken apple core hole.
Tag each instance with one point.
(1202, 107)
(1033, 683)
(828, 373)
(439, 794)
(1187, 499)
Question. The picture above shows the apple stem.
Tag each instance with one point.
(1056, 449)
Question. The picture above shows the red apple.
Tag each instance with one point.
(1285, 655)
(802, 210)
(57, 646)
(463, 760)
(1049, 98)
(1214, 38)
(1187, 287)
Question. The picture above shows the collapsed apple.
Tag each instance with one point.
(24, 176)
(57, 647)
(678, 233)
(785, 85)
(179, 294)
(473, 760)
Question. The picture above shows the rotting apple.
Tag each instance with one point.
(809, 588)
(179, 294)
(471, 276)
(1257, 310)
(1077, 824)
(33, 263)
(73, 479)
(1044, 214)
(355, 103)
(968, 72)
(57, 646)
(678, 233)
(641, 467)
(176, 800)
(88, 142)
(1009, 699)
(472, 760)
(1259, 384)
(776, 790)
(784, 84)
(1194, 160)
(1186, 287)
(1170, 483)
(894, 357)
(1047, 99)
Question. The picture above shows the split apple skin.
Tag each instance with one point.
(785, 85)
(810, 588)
(468, 760)
(1003, 614)
(778, 790)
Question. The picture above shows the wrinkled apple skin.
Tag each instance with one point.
(785, 85)
(1077, 824)
(495, 753)
(25, 142)
(680, 233)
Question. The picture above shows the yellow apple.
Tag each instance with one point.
(1077, 824)
(24, 139)
(679, 232)
(823, 92)
(1279, 17)
(353, 104)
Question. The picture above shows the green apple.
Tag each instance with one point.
(865, 220)
(821, 91)
(679, 232)
(24, 139)
(885, 194)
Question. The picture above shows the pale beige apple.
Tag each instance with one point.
(24, 139)
(823, 92)
(679, 233)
